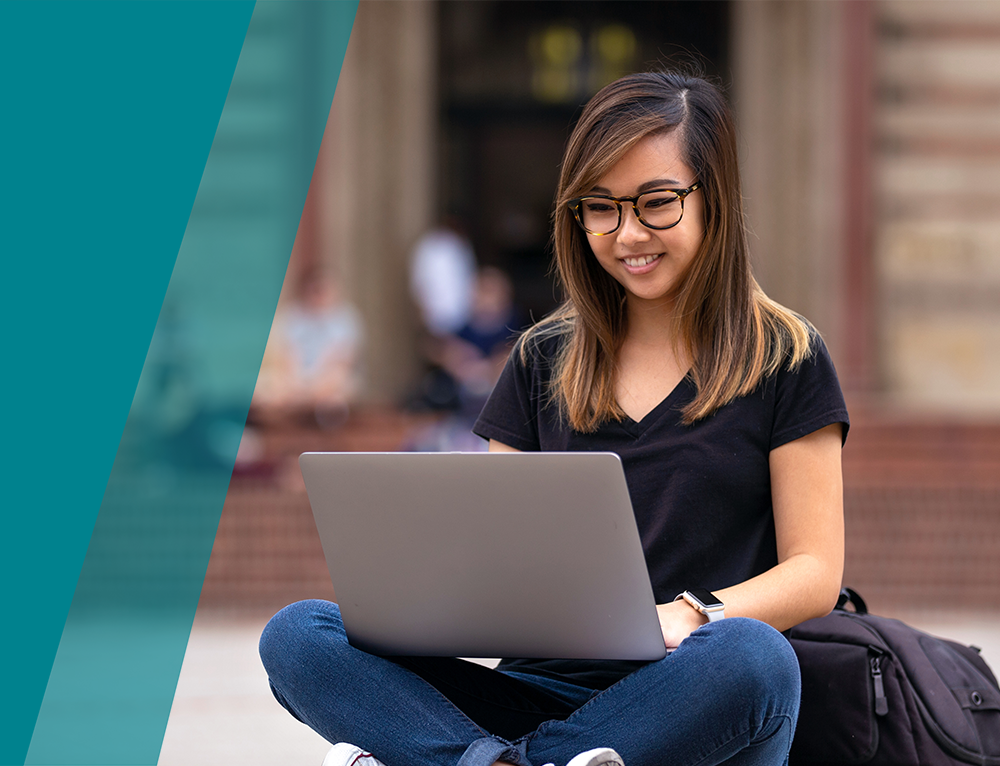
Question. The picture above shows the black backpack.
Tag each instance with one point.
(876, 691)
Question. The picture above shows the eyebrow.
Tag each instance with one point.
(659, 183)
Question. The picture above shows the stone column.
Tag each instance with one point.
(788, 73)
(378, 180)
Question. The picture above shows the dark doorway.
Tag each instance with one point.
(513, 77)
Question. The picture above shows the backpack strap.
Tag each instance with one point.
(852, 597)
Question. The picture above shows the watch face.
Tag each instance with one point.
(704, 597)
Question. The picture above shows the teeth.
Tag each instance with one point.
(640, 261)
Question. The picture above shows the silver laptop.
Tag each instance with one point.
(484, 554)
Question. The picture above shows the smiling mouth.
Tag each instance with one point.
(641, 260)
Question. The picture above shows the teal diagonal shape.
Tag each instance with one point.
(107, 114)
(112, 682)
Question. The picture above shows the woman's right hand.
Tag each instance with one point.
(678, 620)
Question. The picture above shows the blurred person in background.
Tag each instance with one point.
(478, 351)
(442, 277)
(442, 283)
(472, 359)
(312, 364)
(726, 411)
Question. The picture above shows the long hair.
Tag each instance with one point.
(733, 333)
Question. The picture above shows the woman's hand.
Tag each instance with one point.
(677, 621)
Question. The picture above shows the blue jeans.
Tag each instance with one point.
(729, 694)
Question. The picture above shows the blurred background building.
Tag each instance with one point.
(870, 132)
(871, 138)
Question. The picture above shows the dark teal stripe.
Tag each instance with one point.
(113, 679)
(108, 113)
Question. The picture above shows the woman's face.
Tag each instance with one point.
(649, 263)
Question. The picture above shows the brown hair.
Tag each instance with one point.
(734, 334)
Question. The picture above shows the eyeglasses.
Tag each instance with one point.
(600, 215)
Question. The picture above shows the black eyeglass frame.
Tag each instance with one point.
(574, 205)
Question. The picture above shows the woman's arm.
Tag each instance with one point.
(808, 499)
(496, 446)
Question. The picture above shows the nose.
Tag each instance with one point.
(631, 230)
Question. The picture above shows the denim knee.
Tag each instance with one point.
(287, 644)
(761, 666)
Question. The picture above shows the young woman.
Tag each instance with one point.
(729, 420)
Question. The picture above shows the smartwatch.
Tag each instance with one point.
(705, 602)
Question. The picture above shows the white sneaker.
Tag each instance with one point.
(346, 754)
(600, 756)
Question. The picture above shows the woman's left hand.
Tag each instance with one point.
(677, 621)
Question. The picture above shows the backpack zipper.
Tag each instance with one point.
(875, 662)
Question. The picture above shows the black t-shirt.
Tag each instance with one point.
(701, 493)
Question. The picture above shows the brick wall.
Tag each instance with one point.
(922, 505)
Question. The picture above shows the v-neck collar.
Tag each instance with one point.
(668, 403)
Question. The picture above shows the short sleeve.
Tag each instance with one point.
(808, 397)
(510, 415)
